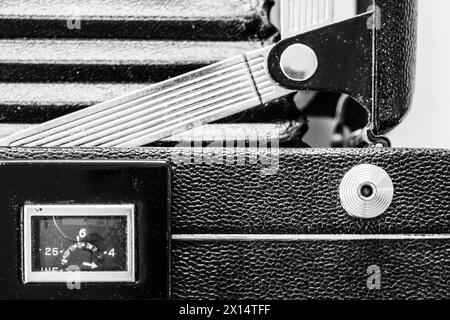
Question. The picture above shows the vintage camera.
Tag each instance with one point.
(128, 199)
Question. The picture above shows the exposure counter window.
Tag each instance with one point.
(89, 243)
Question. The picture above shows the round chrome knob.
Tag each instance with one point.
(299, 62)
(366, 191)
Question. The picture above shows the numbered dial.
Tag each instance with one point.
(83, 256)
(80, 243)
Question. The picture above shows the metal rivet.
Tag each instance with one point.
(366, 191)
(299, 62)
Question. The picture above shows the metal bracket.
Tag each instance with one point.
(346, 62)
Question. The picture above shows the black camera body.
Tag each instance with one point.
(246, 222)
(219, 230)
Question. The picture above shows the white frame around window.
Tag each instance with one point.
(33, 210)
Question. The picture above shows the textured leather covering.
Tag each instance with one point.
(299, 196)
(396, 54)
(310, 270)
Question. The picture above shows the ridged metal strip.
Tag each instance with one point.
(299, 16)
(163, 109)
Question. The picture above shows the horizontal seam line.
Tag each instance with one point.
(292, 237)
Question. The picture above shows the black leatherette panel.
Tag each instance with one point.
(300, 197)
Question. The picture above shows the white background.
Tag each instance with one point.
(428, 123)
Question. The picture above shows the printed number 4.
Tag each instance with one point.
(111, 252)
